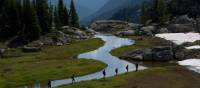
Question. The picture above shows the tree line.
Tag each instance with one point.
(29, 19)
(161, 11)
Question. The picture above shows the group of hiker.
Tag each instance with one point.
(104, 74)
(116, 70)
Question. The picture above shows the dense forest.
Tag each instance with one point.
(27, 20)
(164, 10)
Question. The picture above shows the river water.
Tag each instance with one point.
(102, 54)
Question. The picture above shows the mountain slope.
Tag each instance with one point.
(84, 8)
(111, 7)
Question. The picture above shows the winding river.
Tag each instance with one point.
(101, 54)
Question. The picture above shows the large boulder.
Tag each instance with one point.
(113, 26)
(161, 53)
(134, 25)
(182, 24)
(137, 54)
(77, 33)
(179, 28)
(180, 55)
(125, 33)
(148, 30)
(55, 38)
(184, 19)
(90, 32)
(163, 30)
(65, 36)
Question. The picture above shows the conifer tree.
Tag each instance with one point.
(32, 29)
(66, 16)
(74, 21)
(57, 21)
(10, 20)
(34, 3)
(51, 16)
(143, 14)
(2, 3)
(162, 11)
(42, 9)
(63, 13)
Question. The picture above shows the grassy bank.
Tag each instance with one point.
(153, 77)
(54, 62)
(145, 42)
(113, 82)
(117, 82)
(168, 77)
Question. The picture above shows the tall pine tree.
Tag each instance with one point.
(143, 14)
(63, 13)
(162, 11)
(51, 16)
(74, 19)
(43, 14)
(57, 21)
(10, 20)
(2, 3)
(32, 28)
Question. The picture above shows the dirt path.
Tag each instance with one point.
(175, 77)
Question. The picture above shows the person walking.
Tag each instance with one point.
(127, 68)
(49, 84)
(104, 73)
(136, 67)
(73, 78)
(116, 71)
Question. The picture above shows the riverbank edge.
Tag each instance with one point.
(121, 80)
(71, 58)
(113, 82)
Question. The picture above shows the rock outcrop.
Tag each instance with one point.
(181, 24)
(180, 28)
(113, 26)
(161, 53)
(58, 37)
(125, 33)
(148, 30)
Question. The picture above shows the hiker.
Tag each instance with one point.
(73, 79)
(127, 68)
(136, 67)
(116, 71)
(49, 84)
(104, 73)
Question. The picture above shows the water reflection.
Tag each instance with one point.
(102, 54)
